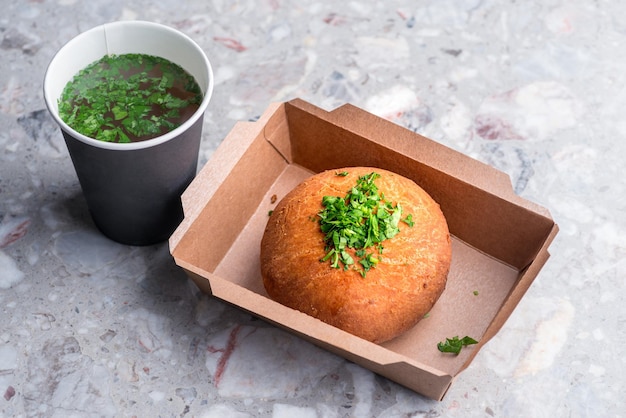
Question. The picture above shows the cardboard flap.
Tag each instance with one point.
(422, 149)
(212, 175)
(230, 152)
(526, 278)
(276, 132)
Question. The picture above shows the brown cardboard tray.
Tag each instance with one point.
(500, 240)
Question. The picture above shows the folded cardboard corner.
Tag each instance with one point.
(500, 241)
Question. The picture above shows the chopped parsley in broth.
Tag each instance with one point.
(129, 98)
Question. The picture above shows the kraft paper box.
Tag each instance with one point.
(500, 240)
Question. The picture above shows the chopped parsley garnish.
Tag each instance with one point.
(454, 344)
(129, 97)
(361, 220)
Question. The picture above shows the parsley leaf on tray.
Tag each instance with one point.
(454, 344)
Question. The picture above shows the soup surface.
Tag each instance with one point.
(129, 98)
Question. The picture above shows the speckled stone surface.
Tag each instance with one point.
(89, 327)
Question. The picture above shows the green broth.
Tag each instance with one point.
(129, 98)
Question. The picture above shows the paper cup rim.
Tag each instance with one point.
(51, 102)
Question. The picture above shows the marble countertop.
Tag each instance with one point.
(89, 327)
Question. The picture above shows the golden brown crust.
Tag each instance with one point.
(393, 296)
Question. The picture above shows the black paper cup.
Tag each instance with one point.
(133, 189)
